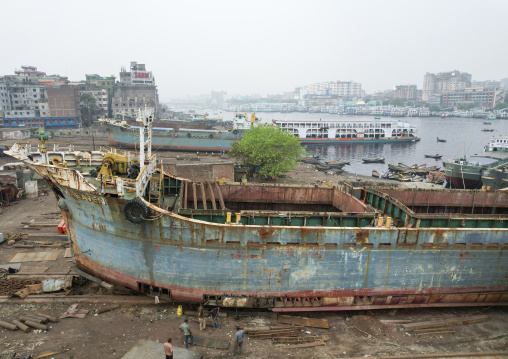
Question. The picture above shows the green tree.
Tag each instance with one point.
(397, 102)
(274, 151)
(88, 106)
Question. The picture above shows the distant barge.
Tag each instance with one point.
(281, 247)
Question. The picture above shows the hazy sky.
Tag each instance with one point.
(194, 47)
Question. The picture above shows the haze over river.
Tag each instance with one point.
(463, 136)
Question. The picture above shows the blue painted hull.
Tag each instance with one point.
(193, 259)
(176, 140)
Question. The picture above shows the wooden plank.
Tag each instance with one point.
(203, 193)
(431, 330)
(277, 329)
(305, 345)
(289, 340)
(212, 195)
(68, 253)
(182, 194)
(36, 257)
(195, 195)
(396, 321)
(445, 323)
(219, 193)
(272, 335)
(185, 196)
(441, 332)
(308, 322)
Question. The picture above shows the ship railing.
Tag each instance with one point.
(32, 147)
(144, 175)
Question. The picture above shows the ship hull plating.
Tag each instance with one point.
(285, 267)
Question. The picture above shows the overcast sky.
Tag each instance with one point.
(264, 47)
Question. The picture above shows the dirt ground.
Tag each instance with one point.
(112, 334)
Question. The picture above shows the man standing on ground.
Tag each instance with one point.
(238, 341)
(187, 333)
(168, 349)
(214, 313)
(201, 318)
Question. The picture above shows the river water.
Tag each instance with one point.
(463, 136)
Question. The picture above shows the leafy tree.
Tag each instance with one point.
(88, 106)
(274, 151)
(397, 102)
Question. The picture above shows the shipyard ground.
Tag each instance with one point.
(112, 334)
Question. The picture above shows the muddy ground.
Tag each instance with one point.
(112, 334)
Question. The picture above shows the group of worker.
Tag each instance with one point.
(187, 333)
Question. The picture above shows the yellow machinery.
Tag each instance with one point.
(113, 164)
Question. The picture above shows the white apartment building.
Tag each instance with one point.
(100, 96)
(444, 82)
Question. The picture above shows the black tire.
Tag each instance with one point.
(211, 136)
(235, 132)
(189, 135)
(136, 211)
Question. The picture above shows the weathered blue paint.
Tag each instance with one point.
(173, 251)
(178, 140)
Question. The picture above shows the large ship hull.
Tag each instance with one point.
(463, 176)
(339, 141)
(277, 266)
(283, 247)
(175, 140)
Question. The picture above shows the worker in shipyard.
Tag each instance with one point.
(201, 317)
(168, 349)
(187, 333)
(214, 314)
(238, 341)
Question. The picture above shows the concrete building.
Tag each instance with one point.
(217, 98)
(478, 96)
(101, 98)
(487, 84)
(341, 89)
(136, 76)
(443, 82)
(406, 92)
(504, 83)
(64, 101)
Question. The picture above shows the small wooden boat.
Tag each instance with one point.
(436, 156)
(322, 167)
(375, 174)
(440, 140)
(488, 130)
(373, 160)
(487, 123)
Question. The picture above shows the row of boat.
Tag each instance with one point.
(415, 173)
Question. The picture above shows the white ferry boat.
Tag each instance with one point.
(349, 131)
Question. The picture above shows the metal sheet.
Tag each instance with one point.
(146, 349)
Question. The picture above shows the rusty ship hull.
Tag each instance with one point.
(281, 247)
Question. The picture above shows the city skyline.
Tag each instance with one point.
(267, 48)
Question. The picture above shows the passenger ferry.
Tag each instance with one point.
(349, 131)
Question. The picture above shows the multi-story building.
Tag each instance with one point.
(504, 83)
(478, 96)
(443, 82)
(217, 98)
(135, 90)
(406, 92)
(487, 84)
(341, 89)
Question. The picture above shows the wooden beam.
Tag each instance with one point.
(445, 323)
(308, 322)
(195, 195)
(203, 193)
(185, 196)
(212, 195)
(219, 193)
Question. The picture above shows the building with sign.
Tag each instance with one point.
(135, 90)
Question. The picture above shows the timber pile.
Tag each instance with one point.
(444, 323)
(271, 333)
(308, 322)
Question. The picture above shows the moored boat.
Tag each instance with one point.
(349, 131)
(436, 156)
(373, 160)
(280, 247)
(467, 171)
(375, 174)
(440, 140)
